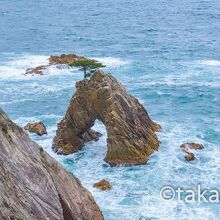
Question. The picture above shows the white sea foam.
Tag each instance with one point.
(15, 67)
(178, 83)
(24, 120)
(111, 61)
(14, 101)
(135, 193)
(27, 61)
(209, 62)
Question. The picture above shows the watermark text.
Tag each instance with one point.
(199, 195)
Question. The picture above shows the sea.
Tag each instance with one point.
(165, 52)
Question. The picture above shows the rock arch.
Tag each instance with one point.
(131, 136)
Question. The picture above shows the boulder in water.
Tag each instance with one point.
(38, 128)
(189, 156)
(37, 70)
(194, 146)
(103, 185)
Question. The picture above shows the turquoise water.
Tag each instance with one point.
(166, 53)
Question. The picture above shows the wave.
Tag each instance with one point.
(14, 67)
(209, 62)
(111, 61)
(14, 101)
(22, 121)
(172, 83)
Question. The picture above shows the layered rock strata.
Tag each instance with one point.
(131, 136)
(33, 185)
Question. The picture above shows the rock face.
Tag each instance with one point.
(37, 128)
(58, 61)
(65, 59)
(194, 146)
(37, 70)
(103, 185)
(33, 185)
(131, 132)
(187, 147)
(189, 156)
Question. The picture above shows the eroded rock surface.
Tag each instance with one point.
(131, 132)
(188, 147)
(189, 156)
(103, 185)
(37, 70)
(192, 145)
(33, 185)
(38, 128)
(64, 59)
(60, 62)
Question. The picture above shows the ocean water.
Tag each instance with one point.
(166, 53)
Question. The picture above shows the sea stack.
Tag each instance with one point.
(131, 136)
(33, 185)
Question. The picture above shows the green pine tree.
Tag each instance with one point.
(87, 66)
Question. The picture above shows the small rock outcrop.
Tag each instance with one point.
(187, 147)
(192, 145)
(37, 70)
(103, 185)
(38, 128)
(33, 185)
(131, 133)
(64, 59)
(57, 61)
(189, 156)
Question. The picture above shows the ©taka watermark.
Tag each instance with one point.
(169, 193)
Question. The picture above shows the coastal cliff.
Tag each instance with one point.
(33, 185)
(131, 133)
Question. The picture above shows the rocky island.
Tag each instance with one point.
(131, 133)
(60, 62)
(33, 185)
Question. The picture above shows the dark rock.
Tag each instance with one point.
(131, 132)
(64, 59)
(33, 185)
(37, 70)
(103, 185)
(189, 156)
(194, 146)
(37, 128)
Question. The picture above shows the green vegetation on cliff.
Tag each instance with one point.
(87, 65)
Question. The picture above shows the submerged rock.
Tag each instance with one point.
(194, 146)
(33, 185)
(37, 70)
(131, 133)
(189, 156)
(60, 62)
(37, 128)
(103, 185)
(187, 147)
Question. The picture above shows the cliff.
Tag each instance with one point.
(131, 132)
(33, 185)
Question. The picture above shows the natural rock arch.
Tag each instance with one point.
(131, 134)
